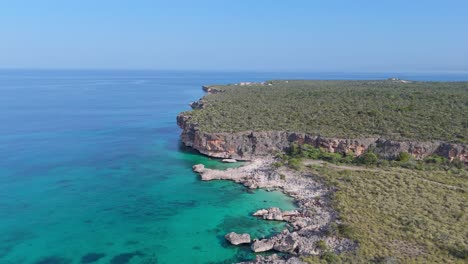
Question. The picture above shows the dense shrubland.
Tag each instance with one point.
(347, 109)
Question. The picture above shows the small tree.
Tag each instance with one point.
(435, 159)
(404, 157)
(295, 150)
(369, 158)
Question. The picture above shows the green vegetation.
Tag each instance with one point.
(321, 245)
(347, 109)
(327, 256)
(404, 157)
(295, 163)
(282, 176)
(407, 216)
(297, 153)
(369, 158)
(340, 230)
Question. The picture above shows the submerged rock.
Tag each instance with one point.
(53, 260)
(237, 239)
(125, 257)
(92, 257)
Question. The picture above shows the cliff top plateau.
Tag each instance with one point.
(393, 109)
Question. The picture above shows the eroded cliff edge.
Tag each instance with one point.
(250, 144)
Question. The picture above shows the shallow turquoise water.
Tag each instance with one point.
(92, 171)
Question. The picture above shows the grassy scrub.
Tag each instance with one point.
(403, 210)
(347, 109)
(400, 215)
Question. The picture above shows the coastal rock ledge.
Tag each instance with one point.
(249, 144)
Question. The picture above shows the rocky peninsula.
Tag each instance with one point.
(308, 228)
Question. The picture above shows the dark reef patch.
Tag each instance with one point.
(11, 239)
(53, 260)
(124, 258)
(238, 222)
(196, 248)
(131, 242)
(92, 257)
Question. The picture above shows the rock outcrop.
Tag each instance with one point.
(199, 168)
(200, 104)
(249, 145)
(308, 223)
(263, 245)
(275, 213)
(237, 239)
(274, 259)
(288, 243)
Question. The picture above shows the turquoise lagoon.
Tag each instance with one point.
(92, 170)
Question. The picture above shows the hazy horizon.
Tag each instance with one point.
(332, 36)
(235, 70)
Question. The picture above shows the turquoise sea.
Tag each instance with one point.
(92, 169)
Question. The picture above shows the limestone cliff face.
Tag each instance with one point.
(248, 145)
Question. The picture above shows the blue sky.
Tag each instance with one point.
(295, 35)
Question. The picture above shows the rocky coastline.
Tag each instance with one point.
(308, 227)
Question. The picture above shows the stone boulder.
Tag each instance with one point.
(198, 168)
(229, 160)
(261, 212)
(237, 239)
(274, 259)
(287, 244)
(274, 213)
(291, 213)
(262, 245)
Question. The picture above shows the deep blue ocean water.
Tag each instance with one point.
(92, 169)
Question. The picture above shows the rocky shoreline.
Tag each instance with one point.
(306, 226)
